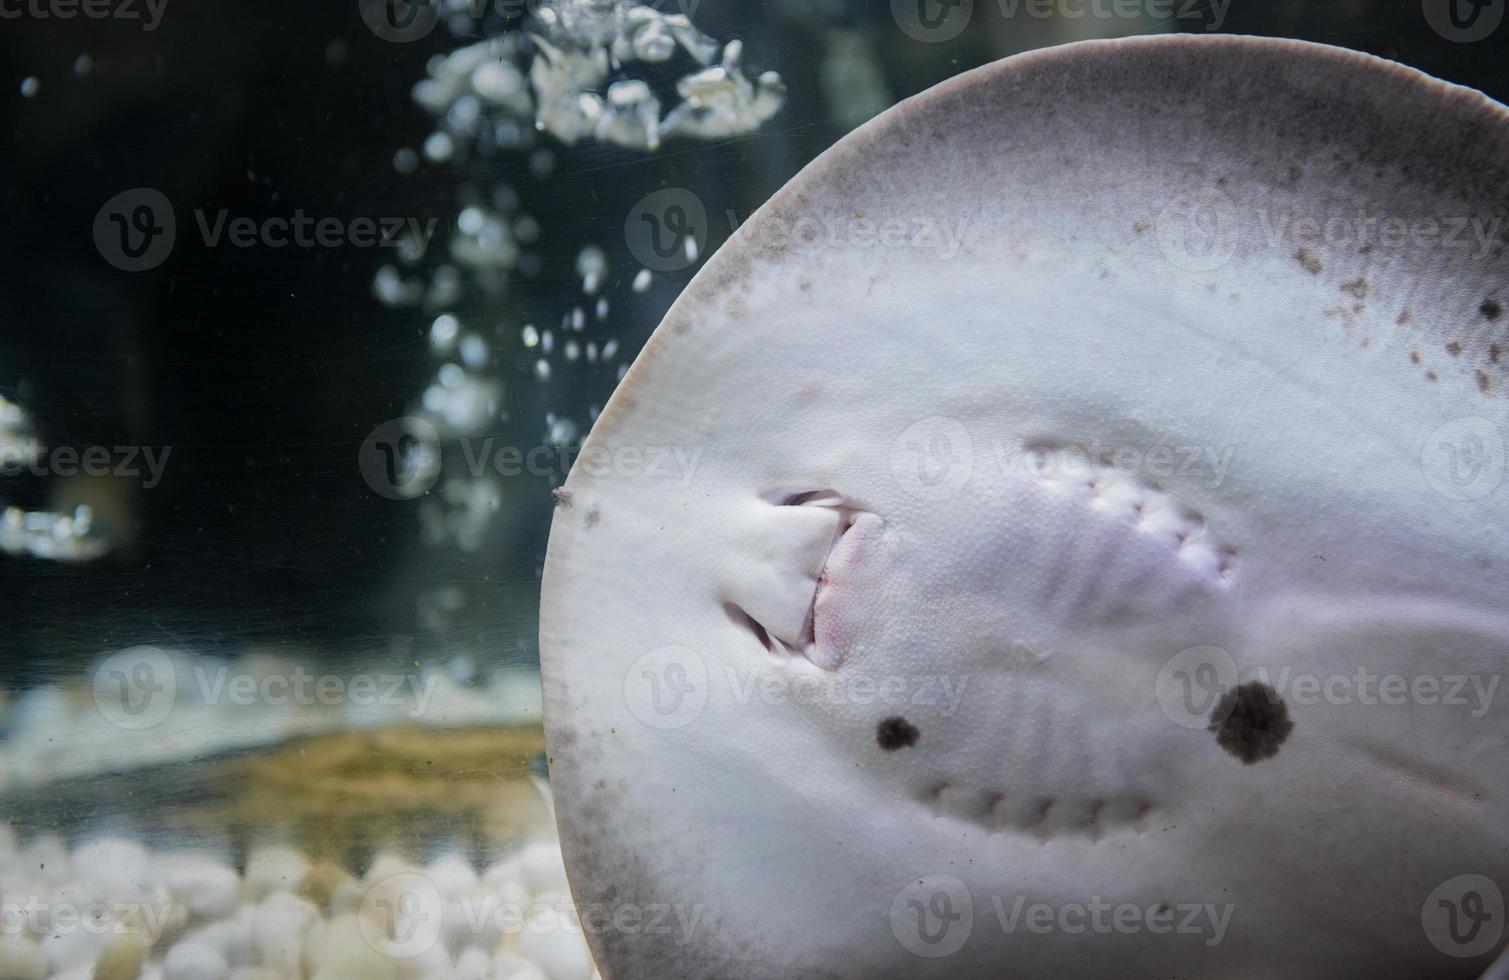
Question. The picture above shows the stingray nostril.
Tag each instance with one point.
(744, 619)
(810, 498)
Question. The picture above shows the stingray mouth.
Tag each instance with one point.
(828, 625)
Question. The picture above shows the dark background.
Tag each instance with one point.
(265, 368)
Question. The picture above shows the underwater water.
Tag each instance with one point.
(304, 315)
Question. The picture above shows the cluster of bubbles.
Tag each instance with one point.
(567, 78)
(41, 534)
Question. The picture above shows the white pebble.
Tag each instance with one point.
(121, 959)
(30, 86)
(232, 938)
(191, 961)
(544, 871)
(432, 961)
(473, 964)
(341, 950)
(72, 947)
(555, 945)
(277, 929)
(503, 870)
(509, 966)
(207, 888)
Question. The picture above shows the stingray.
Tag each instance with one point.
(1063, 533)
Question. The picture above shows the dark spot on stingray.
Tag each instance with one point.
(1495, 351)
(1485, 383)
(1492, 309)
(1414, 357)
(593, 516)
(1357, 287)
(1308, 259)
(1454, 348)
(896, 733)
(1251, 722)
(562, 497)
(1431, 376)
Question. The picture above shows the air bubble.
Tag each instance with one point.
(443, 333)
